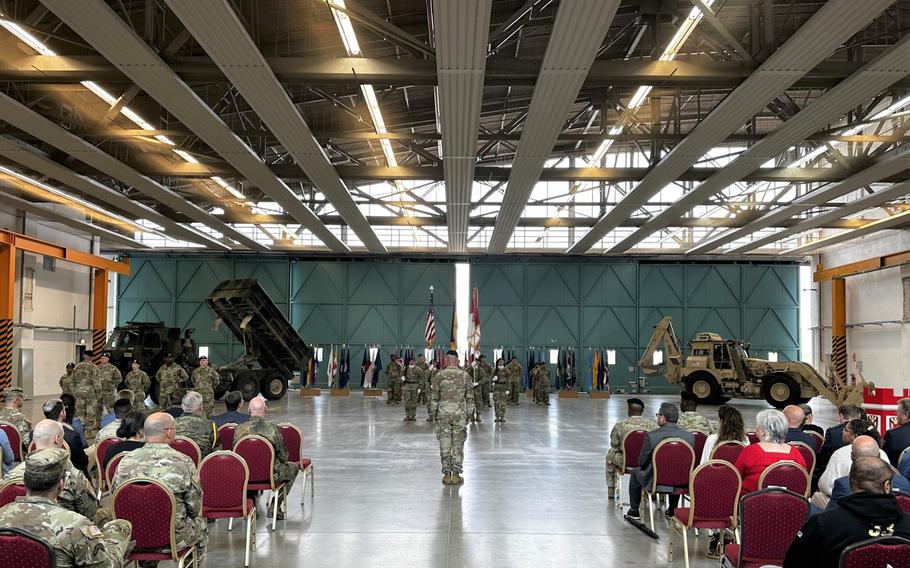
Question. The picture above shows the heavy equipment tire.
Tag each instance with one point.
(247, 385)
(781, 390)
(274, 387)
(704, 387)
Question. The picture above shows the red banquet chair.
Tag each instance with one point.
(631, 449)
(15, 440)
(818, 438)
(20, 549)
(9, 491)
(188, 448)
(753, 437)
(768, 521)
(700, 440)
(787, 474)
(259, 456)
(293, 440)
(226, 435)
(98, 463)
(673, 460)
(903, 501)
(224, 477)
(111, 468)
(713, 494)
(727, 451)
(808, 455)
(150, 507)
(877, 553)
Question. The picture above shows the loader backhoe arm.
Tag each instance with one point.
(663, 334)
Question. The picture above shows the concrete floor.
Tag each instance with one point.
(534, 492)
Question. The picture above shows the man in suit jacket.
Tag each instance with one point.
(795, 417)
(898, 439)
(834, 438)
(233, 403)
(667, 418)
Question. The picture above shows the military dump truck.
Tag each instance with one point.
(718, 369)
(273, 349)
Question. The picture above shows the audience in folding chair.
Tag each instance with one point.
(195, 426)
(771, 429)
(862, 439)
(131, 435)
(233, 404)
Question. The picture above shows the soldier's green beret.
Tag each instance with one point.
(48, 463)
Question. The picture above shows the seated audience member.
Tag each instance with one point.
(667, 418)
(54, 410)
(899, 483)
(233, 403)
(11, 412)
(77, 495)
(69, 404)
(689, 418)
(771, 429)
(284, 472)
(7, 453)
(131, 434)
(839, 465)
(808, 426)
(112, 415)
(897, 439)
(834, 436)
(635, 421)
(159, 461)
(75, 539)
(195, 426)
(122, 407)
(795, 418)
(870, 511)
(176, 410)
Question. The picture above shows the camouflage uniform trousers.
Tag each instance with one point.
(138, 382)
(542, 389)
(88, 408)
(514, 387)
(110, 379)
(478, 403)
(451, 432)
(205, 379)
(500, 400)
(485, 391)
(394, 390)
(423, 397)
(410, 400)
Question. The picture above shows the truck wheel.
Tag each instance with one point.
(781, 390)
(248, 387)
(704, 387)
(274, 387)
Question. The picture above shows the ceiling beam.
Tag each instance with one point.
(893, 222)
(218, 29)
(101, 27)
(833, 24)
(383, 28)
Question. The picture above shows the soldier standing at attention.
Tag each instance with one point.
(139, 382)
(635, 421)
(689, 419)
(541, 381)
(452, 401)
(205, 379)
(423, 395)
(515, 372)
(169, 377)
(11, 413)
(486, 385)
(157, 460)
(75, 539)
(412, 379)
(87, 390)
(393, 371)
(110, 380)
(431, 381)
(502, 381)
(66, 380)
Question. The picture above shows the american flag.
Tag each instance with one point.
(430, 332)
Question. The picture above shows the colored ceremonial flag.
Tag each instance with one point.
(429, 334)
(561, 368)
(375, 382)
(606, 374)
(532, 361)
(595, 371)
(344, 368)
(474, 327)
(332, 368)
(310, 367)
(453, 341)
(570, 369)
(364, 365)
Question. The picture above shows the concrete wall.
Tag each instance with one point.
(881, 349)
(57, 296)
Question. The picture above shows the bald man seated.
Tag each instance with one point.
(795, 418)
(860, 447)
(869, 511)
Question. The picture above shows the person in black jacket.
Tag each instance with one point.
(834, 438)
(898, 439)
(54, 410)
(870, 511)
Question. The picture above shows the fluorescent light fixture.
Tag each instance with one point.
(217, 211)
(772, 356)
(554, 356)
(26, 37)
(657, 357)
(639, 96)
(228, 187)
(186, 156)
(348, 37)
(203, 351)
(99, 91)
(611, 356)
(319, 353)
(892, 109)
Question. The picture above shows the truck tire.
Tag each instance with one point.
(781, 390)
(274, 387)
(247, 385)
(704, 387)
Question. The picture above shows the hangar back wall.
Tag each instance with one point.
(585, 303)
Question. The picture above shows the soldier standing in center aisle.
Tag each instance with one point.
(486, 385)
(413, 378)
(205, 379)
(393, 371)
(66, 381)
(110, 380)
(87, 390)
(423, 396)
(542, 384)
(515, 373)
(452, 402)
(481, 383)
(432, 371)
(501, 380)
(169, 377)
(139, 382)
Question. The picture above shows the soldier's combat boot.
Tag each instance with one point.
(447, 479)
(457, 479)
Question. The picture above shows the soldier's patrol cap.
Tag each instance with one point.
(452, 352)
(201, 357)
(136, 361)
(168, 355)
(48, 464)
(70, 365)
(88, 352)
(14, 391)
(106, 354)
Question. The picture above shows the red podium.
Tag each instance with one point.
(881, 406)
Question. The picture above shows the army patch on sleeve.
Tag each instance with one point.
(92, 532)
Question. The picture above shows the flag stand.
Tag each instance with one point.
(567, 394)
(599, 394)
(340, 392)
(372, 392)
(310, 391)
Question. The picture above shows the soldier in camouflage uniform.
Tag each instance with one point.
(481, 378)
(431, 381)
(413, 378)
(690, 420)
(159, 461)
(169, 377)
(486, 386)
(423, 396)
(195, 426)
(285, 471)
(502, 381)
(515, 373)
(87, 390)
(110, 381)
(541, 381)
(12, 413)
(66, 380)
(452, 401)
(77, 495)
(393, 371)
(75, 539)
(205, 379)
(635, 421)
(139, 382)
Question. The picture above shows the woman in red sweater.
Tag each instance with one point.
(771, 430)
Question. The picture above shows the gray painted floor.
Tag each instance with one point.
(534, 493)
